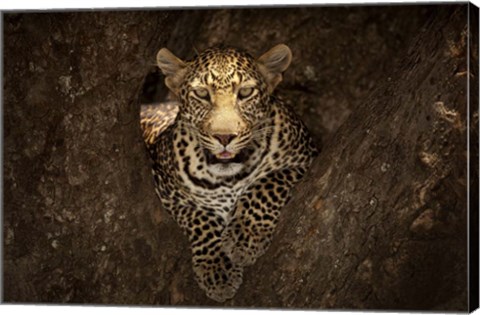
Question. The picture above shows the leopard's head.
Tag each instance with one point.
(224, 95)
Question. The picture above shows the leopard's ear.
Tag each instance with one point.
(273, 63)
(172, 67)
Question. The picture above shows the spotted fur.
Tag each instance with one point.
(225, 167)
(155, 118)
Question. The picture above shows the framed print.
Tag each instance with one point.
(290, 157)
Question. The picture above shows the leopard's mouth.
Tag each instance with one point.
(226, 157)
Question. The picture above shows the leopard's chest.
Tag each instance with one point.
(206, 189)
(185, 181)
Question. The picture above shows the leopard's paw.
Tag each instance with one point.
(220, 278)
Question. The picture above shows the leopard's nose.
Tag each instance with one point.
(224, 139)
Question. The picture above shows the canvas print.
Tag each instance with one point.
(296, 157)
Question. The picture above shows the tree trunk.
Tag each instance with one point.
(379, 222)
(80, 220)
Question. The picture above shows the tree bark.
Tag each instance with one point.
(379, 222)
(80, 225)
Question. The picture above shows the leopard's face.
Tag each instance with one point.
(225, 100)
(224, 97)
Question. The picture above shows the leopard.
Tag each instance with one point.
(225, 154)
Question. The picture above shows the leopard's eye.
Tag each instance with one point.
(245, 92)
(202, 93)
